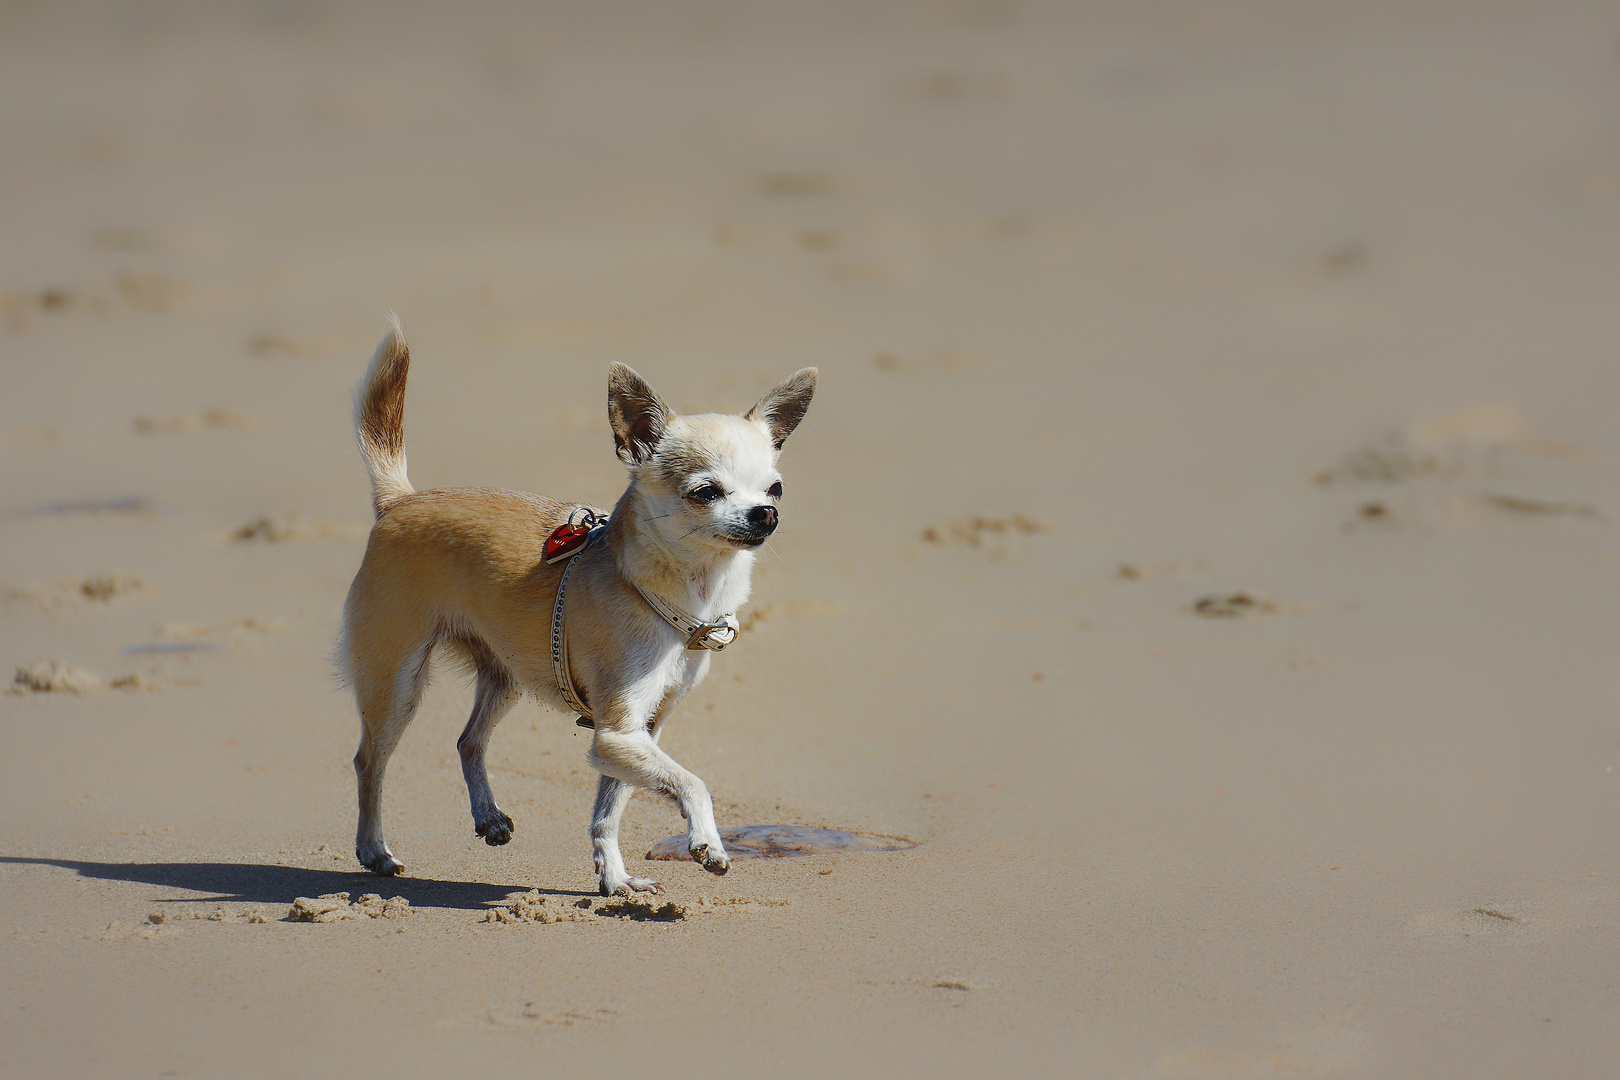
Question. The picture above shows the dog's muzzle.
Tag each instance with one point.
(761, 523)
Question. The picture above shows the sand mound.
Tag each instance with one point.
(97, 588)
(335, 907)
(55, 677)
(974, 530)
(109, 586)
(287, 527)
(532, 907)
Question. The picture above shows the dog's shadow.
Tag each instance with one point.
(257, 883)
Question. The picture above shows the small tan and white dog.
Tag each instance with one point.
(465, 571)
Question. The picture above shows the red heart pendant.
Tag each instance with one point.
(564, 541)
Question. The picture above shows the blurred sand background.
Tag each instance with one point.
(1202, 541)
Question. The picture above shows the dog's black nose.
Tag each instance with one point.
(763, 518)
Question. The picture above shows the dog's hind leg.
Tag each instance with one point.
(388, 700)
(495, 695)
(611, 876)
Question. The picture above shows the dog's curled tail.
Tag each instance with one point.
(379, 418)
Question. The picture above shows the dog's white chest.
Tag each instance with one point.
(684, 669)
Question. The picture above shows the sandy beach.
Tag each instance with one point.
(1200, 555)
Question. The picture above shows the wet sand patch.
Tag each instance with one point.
(1513, 504)
(783, 841)
(159, 648)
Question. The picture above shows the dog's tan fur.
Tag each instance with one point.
(463, 570)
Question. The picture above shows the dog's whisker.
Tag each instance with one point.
(697, 528)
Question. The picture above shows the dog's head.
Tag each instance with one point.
(706, 482)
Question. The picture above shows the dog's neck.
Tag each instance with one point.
(700, 580)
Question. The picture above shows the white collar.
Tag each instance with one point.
(715, 635)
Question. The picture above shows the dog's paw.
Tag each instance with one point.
(712, 857)
(626, 885)
(380, 861)
(496, 830)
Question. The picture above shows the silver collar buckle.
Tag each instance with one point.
(714, 635)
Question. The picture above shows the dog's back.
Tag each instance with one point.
(455, 567)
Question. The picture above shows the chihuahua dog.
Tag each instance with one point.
(620, 632)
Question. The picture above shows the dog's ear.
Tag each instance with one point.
(636, 413)
(783, 407)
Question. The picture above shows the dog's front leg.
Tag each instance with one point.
(611, 876)
(634, 757)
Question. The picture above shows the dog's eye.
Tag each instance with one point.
(706, 494)
(775, 490)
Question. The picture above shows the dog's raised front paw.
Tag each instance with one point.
(713, 858)
(496, 830)
(626, 885)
